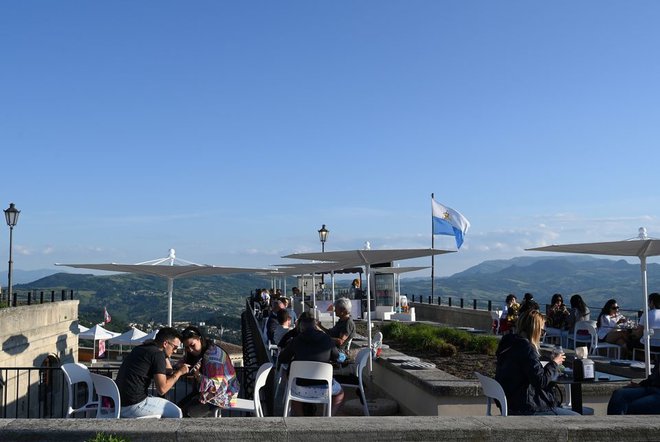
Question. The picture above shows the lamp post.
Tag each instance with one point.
(323, 236)
(11, 216)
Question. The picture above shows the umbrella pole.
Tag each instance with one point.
(368, 267)
(170, 289)
(332, 281)
(647, 336)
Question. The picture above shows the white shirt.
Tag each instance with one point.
(607, 324)
(654, 319)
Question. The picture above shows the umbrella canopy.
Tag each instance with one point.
(97, 333)
(367, 258)
(641, 247)
(150, 335)
(128, 338)
(175, 268)
(82, 328)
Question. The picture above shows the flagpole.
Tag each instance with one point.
(432, 256)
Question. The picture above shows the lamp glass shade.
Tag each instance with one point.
(11, 215)
(323, 233)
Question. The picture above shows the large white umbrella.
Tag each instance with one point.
(148, 336)
(174, 269)
(641, 247)
(97, 333)
(367, 258)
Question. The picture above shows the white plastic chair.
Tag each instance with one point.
(251, 406)
(595, 345)
(552, 333)
(106, 388)
(318, 371)
(581, 338)
(495, 316)
(492, 390)
(655, 342)
(360, 362)
(76, 373)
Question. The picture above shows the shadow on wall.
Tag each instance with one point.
(15, 345)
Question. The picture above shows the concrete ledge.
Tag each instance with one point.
(629, 428)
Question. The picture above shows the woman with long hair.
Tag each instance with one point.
(558, 313)
(578, 312)
(611, 328)
(526, 383)
(215, 376)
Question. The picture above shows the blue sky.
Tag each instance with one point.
(231, 131)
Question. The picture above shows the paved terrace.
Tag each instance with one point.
(403, 428)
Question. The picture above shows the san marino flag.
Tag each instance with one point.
(447, 221)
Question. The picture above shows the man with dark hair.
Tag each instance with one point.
(146, 362)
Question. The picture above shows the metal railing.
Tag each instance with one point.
(33, 297)
(33, 392)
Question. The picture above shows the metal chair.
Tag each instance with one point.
(76, 373)
(251, 406)
(318, 371)
(493, 391)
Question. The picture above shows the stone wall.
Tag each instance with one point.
(454, 316)
(40, 335)
(396, 428)
(31, 333)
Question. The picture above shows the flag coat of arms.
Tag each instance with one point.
(447, 221)
(106, 316)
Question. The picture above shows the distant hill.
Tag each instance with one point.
(25, 276)
(597, 280)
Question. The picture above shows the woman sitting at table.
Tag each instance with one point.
(611, 328)
(558, 313)
(578, 312)
(509, 314)
(526, 383)
(215, 376)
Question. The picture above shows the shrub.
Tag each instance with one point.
(486, 345)
(102, 437)
(445, 341)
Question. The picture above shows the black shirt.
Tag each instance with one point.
(137, 371)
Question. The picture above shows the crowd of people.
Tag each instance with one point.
(530, 385)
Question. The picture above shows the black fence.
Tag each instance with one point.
(36, 297)
(30, 392)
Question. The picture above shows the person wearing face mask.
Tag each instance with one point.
(216, 383)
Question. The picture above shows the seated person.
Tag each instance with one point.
(271, 325)
(557, 314)
(283, 325)
(215, 377)
(292, 333)
(147, 362)
(311, 344)
(509, 314)
(611, 328)
(344, 330)
(578, 312)
(642, 398)
(526, 383)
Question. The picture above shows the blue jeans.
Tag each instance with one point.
(635, 400)
(152, 406)
(557, 411)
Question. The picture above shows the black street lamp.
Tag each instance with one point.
(323, 236)
(11, 216)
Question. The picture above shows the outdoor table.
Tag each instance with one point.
(575, 390)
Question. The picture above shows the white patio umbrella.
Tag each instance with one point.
(97, 333)
(366, 258)
(641, 247)
(174, 269)
(82, 328)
